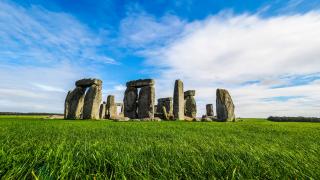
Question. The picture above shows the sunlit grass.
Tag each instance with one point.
(31, 147)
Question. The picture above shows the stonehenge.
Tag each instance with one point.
(224, 106)
(80, 104)
(190, 104)
(84, 102)
(139, 105)
(178, 100)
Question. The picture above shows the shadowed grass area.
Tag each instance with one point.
(251, 149)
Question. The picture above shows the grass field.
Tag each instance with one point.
(252, 149)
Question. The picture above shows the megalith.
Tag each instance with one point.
(146, 102)
(74, 103)
(102, 112)
(190, 104)
(164, 109)
(66, 105)
(92, 102)
(130, 102)
(178, 100)
(111, 108)
(224, 106)
(209, 110)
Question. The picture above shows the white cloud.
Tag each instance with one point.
(226, 51)
(36, 35)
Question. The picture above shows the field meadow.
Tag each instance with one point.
(34, 148)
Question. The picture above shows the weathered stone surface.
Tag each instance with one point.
(164, 109)
(92, 102)
(178, 100)
(66, 105)
(111, 108)
(189, 93)
(88, 82)
(130, 102)
(146, 102)
(74, 103)
(224, 106)
(191, 107)
(209, 110)
(102, 112)
(140, 83)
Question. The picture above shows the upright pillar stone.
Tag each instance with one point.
(111, 108)
(92, 102)
(190, 104)
(146, 102)
(102, 112)
(178, 100)
(130, 102)
(209, 110)
(66, 105)
(74, 103)
(224, 106)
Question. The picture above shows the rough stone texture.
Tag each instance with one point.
(130, 102)
(191, 107)
(74, 103)
(189, 93)
(178, 100)
(224, 106)
(111, 108)
(88, 82)
(146, 102)
(102, 112)
(66, 105)
(209, 110)
(166, 103)
(140, 83)
(92, 102)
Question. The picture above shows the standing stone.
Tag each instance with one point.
(102, 112)
(74, 103)
(92, 102)
(111, 107)
(209, 110)
(130, 102)
(66, 105)
(178, 100)
(146, 102)
(190, 104)
(166, 103)
(224, 106)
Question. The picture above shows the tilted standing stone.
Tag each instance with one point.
(178, 100)
(74, 103)
(146, 102)
(111, 107)
(224, 106)
(209, 110)
(130, 102)
(190, 104)
(66, 105)
(92, 102)
(102, 112)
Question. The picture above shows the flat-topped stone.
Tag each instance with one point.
(140, 83)
(88, 82)
(190, 93)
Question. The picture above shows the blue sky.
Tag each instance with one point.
(266, 53)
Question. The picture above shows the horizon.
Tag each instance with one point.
(266, 54)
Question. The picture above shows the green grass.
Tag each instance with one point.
(33, 148)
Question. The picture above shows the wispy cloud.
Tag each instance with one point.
(230, 50)
(35, 35)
